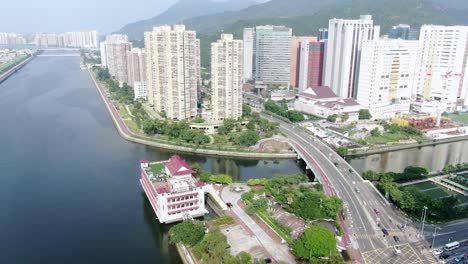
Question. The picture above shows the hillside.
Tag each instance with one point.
(386, 13)
(183, 9)
(271, 9)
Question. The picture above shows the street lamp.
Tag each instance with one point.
(435, 234)
(423, 220)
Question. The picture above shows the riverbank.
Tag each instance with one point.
(15, 68)
(125, 132)
(406, 146)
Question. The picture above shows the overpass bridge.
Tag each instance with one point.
(59, 55)
(365, 210)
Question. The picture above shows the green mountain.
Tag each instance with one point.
(183, 9)
(309, 15)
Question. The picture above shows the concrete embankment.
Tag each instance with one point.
(10, 72)
(406, 146)
(130, 136)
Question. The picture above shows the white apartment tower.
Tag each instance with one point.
(442, 72)
(173, 70)
(273, 54)
(136, 66)
(116, 48)
(386, 75)
(343, 50)
(249, 42)
(226, 78)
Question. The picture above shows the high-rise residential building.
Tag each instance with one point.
(311, 64)
(12, 39)
(343, 50)
(173, 69)
(226, 78)
(386, 76)
(249, 47)
(322, 34)
(273, 54)
(85, 39)
(442, 72)
(116, 50)
(136, 66)
(102, 49)
(403, 31)
(295, 57)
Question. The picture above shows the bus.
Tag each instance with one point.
(451, 246)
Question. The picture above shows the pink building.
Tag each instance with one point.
(173, 192)
(295, 57)
(311, 64)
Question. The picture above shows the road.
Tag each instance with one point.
(365, 209)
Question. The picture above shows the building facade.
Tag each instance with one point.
(322, 34)
(174, 194)
(296, 59)
(141, 90)
(386, 76)
(116, 50)
(343, 50)
(311, 64)
(136, 66)
(226, 78)
(403, 31)
(249, 47)
(442, 72)
(273, 54)
(173, 70)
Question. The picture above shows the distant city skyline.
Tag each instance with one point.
(106, 16)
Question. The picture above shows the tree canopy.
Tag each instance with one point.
(315, 242)
(188, 232)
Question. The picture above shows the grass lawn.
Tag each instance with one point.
(267, 218)
(437, 191)
(392, 137)
(460, 118)
(157, 168)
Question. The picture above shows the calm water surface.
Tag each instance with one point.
(69, 190)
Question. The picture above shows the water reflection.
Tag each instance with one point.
(433, 157)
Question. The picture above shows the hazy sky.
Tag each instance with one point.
(68, 15)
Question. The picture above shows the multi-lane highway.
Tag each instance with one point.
(366, 212)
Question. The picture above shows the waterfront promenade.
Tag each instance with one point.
(125, 132)
(14, 69)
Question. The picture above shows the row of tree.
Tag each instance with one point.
(410, 173)
(282, 110)
(175, 130)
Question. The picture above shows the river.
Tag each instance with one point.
(69, 189)
(433, 157)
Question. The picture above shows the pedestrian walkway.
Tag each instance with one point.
(279, 251)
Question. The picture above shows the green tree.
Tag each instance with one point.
(331, 118)
(342, 151)
(247, 138)
(344, 117)
(375, 132)
(189, 232)
(246, 110)
(364, 114)
(199, 120)
(221, 178)
(315, 242)
(295, 116)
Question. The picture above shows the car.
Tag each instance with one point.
(336, 163)
(351, 170)
(438, 251)
(376, 211)
(385, 231)
(444, 255)
(267, 260)
(396, 238)
(459, 258)
(397, 249)
(357, 190)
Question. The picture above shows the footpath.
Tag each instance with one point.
(130, 136)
